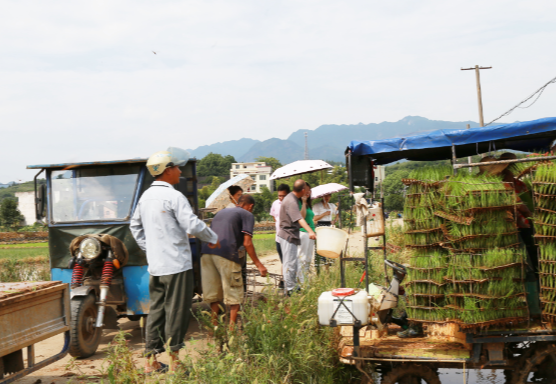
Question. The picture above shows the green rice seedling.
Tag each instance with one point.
(431, 173)
(432, 261)
(546, 202)
(424, 289)
(547, 251)
(429, 274)
(425, 301)
(423, 238)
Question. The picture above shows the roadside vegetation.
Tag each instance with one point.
(279, 339)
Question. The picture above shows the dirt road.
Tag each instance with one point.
(90, 369)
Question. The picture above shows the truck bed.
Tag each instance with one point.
(31, 312)
(390, 346)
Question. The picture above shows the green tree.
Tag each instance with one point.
(393, 190)
(10, 216)
(204, 193)
(272, 161)
(214, 164)
(263, 202)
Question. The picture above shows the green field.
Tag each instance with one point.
(22, 253)
(265, 243)
(24, 245)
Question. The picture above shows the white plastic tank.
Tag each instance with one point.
(354, 299)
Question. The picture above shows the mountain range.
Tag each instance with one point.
(327, 142)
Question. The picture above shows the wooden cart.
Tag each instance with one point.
(31, 312)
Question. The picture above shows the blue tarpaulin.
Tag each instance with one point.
(529, 136)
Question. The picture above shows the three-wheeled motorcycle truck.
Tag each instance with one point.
(88, 207)
(525, 349)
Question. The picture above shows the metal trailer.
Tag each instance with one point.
(100, 198)
(525, 351)
(29, 313)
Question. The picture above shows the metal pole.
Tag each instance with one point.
(385, 253)
(454, 159)
(469, 160)
(366, 252)
(339, 210)
(350, 177)
(342, 271)
(526, 160)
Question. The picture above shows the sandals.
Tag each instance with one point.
(163, 368)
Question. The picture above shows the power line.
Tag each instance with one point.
(539, 91)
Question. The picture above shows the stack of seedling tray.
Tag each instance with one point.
(425, 283)
(486, 264)
(544, 188)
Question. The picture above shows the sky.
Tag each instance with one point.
(79, 80)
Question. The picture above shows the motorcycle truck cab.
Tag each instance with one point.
(88, 207)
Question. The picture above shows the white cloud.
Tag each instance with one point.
(79, 81)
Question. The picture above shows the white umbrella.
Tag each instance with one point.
(300, 167)
(221, 197)
(326, 189)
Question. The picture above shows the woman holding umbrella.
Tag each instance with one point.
(324, 212)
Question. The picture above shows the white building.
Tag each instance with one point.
(259, 172)
(26, 205)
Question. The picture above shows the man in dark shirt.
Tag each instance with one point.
(288, 235)
(221, 268)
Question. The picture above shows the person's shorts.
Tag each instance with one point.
(222, 280)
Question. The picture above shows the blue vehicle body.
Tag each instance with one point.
(134, 276)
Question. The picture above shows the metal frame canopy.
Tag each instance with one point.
(528, 136)
(85, 164)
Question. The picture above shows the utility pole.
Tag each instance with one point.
(478, 77)
(306, 157)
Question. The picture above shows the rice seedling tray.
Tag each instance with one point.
(482, 296)
(427, 314)
(426, 246)
(425, 301)
(491, 323)
(490, 259)
(426, 274)
(449, 247)
(423, 183)
(455, 218)
(422, 230)
(545, 210)
(456, 274)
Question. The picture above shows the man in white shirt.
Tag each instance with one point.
(161, 224)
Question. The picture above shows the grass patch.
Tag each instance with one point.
(22, 253)
(265, 243)
(24, 245)
(24, 269)
(270, 235)
(279, 341)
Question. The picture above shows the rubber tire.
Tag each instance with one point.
(82, 343)
(520, 376)
(421, 371)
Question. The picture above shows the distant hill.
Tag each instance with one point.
(236, 148)
(327, 142)
(284, 150)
